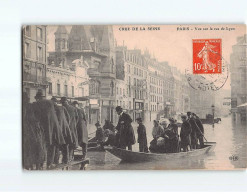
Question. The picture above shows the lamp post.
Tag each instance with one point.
(213, 110)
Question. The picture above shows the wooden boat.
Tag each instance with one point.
(130, 156)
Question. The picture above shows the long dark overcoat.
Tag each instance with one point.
(194, 131)
(82, 127)
(73, 123)
(34, 147)
(185, 134)
(126, 131)
(63, 119)
(45, 112)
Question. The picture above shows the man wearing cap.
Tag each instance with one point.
(185, 134)
(73, 119)
(125, 130)
(142, 136)
(81, 129)
(194, 130)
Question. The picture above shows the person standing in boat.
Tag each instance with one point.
(126, 136)
(81, 127)
(142, 136)
(185, 134)
(194, 130)
(199, 134)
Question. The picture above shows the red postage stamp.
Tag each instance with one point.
(207, 56)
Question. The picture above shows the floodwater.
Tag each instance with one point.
(230, 152)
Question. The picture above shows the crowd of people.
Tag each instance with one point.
(166, 137)
(52, 129)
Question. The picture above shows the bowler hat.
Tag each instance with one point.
(119, 108)
(97, 124)
(63, 99)
(75, 102)
(54, 99)
(39, 94)
(188, 113)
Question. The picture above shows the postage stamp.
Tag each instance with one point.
(209, 70)
(207, 56)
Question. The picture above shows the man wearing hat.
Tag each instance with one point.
(194, 130)
(200, 133)
(73, 119)
(125, 130)
(63, 119)
(39, 96)
(142, 136)
(81, 129)
(185, 133)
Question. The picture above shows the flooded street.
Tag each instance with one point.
(230, 152)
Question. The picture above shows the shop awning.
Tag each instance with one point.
(242, 105)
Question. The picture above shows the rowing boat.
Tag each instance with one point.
(130, 156)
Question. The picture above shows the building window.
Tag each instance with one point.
(72, 91)
(50, 88)
(81, 91)
(63, 44)
(28, 31)
(58, 89)
(94, 88)
(120, 91)
(117, 90)
(39, 54)
(129, 104)
(66, 90)
(27, 50)
(39, 34)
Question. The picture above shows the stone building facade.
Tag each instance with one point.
(238, 66)
(34, 59)
(94, 46)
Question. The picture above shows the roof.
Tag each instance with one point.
(61, 29)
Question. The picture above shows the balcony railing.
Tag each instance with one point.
(35, 79)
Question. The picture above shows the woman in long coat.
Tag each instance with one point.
(125, 130)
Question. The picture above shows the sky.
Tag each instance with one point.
(167, 43)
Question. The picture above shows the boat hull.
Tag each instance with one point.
(130, 156)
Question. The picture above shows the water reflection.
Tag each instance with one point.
(230, 138)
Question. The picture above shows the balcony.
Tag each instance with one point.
(34, 79)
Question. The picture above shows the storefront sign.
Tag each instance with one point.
(93, 101)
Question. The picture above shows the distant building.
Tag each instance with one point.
(132, 69)
(94, 45)
(238, 68)
(34, 59)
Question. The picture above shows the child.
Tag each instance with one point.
(142, 137)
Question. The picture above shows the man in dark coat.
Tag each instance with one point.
(142, 137)
(81, 129)
(72, 125)
(194, 130)
(46, 114)
(63, 119)
(185, 134)
(126, 133)
(200, 134)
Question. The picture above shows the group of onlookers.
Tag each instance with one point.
(166, 137)
(51, 127)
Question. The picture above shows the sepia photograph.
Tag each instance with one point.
(134, 97)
